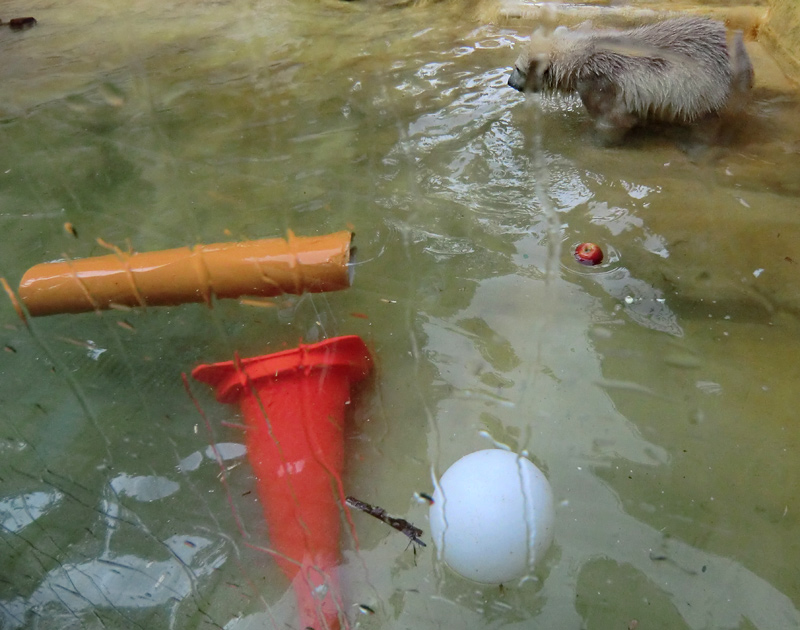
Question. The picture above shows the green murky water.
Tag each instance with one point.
(658, 391)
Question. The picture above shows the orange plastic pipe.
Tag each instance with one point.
(293, 403)
(263, 268)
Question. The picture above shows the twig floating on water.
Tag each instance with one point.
(400, 524)
(20, 24)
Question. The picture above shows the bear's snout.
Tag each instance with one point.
(517, 80)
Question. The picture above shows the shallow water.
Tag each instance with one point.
(657, 391)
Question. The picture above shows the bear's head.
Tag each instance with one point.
(532, 67)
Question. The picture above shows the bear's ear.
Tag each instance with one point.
(561, 30)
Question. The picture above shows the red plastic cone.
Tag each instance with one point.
(293, 403)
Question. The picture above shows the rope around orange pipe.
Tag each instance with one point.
(261, 268)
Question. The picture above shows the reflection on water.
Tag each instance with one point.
(20, 511)
(72, 591)
(657, 390)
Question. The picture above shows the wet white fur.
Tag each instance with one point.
(674, 70)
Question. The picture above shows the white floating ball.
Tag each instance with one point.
(492, 516)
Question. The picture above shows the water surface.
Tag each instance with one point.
(657, 391)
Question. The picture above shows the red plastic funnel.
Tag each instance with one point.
(293, 403)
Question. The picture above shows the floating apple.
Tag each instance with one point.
(588, 254)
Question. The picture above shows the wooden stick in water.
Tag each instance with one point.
(401, 525)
